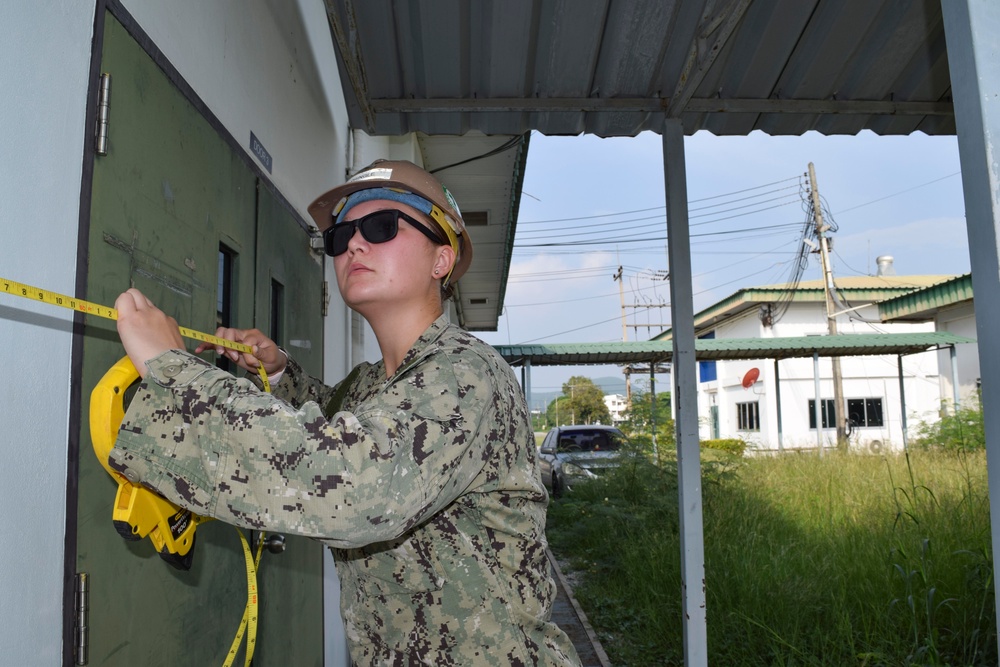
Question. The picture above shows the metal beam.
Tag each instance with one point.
(692, 530)
(702, 55)
(349, 46)
(656, 105)
(972, 32)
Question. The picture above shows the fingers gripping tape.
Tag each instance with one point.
(138, 512)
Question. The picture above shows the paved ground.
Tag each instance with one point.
(566, 613)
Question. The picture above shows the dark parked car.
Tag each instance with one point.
(572, 454)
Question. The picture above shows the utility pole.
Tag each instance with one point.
(831, 317)
(628, 369)
(621, 293)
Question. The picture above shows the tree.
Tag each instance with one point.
(558, 412)
(638, 423)
(638, 417)
(584, 401)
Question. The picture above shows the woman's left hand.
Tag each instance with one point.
(145, 330)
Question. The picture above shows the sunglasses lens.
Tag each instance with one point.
(336, 238)
(378, 227)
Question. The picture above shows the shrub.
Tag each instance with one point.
(735, 446)
(960, 430)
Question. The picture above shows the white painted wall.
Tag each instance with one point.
(863, 377)
(960, 320)
(45, 57)
(252, 66)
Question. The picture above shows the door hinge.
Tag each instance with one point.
(82, 629)
(103, 115)
(325, 306)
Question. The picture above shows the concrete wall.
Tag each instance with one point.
(265, 67)
(45, 58)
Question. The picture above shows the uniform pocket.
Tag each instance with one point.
(400, 567)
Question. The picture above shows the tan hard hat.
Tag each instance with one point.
(407, 177)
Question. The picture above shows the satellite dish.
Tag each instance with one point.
(750, 377)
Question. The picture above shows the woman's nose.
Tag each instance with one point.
(357, 240)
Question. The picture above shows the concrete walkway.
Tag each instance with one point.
(566, 613)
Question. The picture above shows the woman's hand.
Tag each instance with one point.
(145, 330)
(265, 351)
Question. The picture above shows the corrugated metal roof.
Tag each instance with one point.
(618, 67)
(650, 352)
(488, 191)
(856, 289)
(921, 305)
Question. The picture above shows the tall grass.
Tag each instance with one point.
(840, 560)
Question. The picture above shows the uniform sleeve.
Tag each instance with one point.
(216, 445)
(297, 387)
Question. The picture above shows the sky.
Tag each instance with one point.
(590, 205)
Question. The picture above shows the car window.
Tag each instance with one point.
(590, 441)
(548, 444)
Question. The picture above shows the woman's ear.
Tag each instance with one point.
(444, 261)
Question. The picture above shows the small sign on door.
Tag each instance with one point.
(258, 149)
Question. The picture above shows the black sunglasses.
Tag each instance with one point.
(377, 227)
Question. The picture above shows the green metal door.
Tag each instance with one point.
(175, 213)
(288, 308)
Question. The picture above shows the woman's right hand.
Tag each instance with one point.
(265, 351)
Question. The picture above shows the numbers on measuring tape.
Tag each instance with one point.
(86, 307)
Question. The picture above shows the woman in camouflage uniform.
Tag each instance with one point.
(419, 471)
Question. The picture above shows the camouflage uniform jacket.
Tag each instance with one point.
(425, 486)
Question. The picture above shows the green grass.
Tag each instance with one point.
(840, 560)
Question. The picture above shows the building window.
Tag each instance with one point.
(707, 371)
(826, 413)
(747, 416)
(865, 412)
(224, 298)
(277, 312)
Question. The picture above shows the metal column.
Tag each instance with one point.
(818, 405)
(902, 402)
(777, 402)
(972, 30)
(692, 530)
(955, 396)
(652, 409)
(527, 384)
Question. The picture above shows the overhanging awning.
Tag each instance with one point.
(652, 352)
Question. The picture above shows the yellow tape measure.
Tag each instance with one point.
(72, 303)
(248, 624)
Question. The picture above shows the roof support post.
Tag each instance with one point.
(692, 530)
(902, 402)
(652, 409)
(777, 403)
(972, 30)
(955, 395)
(818, 405)
(526, 381)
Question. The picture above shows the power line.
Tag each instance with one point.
(659, 218)
(618, 239)
(658, 208)
(901, 192)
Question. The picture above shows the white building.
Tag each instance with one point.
(617, 405)
(949, 305)
(740, 398)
